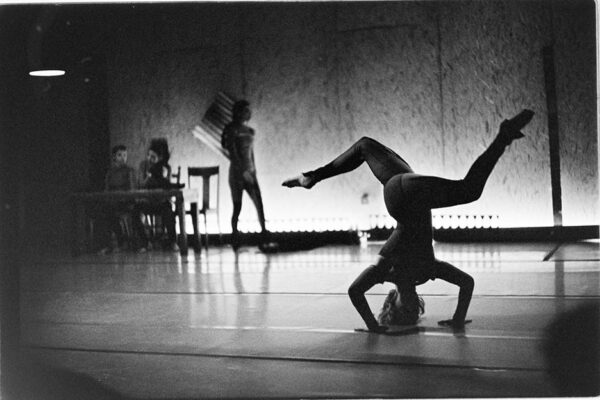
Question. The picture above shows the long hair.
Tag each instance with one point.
(394, 312)
(161, 147)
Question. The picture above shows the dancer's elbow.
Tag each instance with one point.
(355, 293)
(365, 140)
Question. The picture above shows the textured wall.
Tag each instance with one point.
(431, 80)
(491, 62)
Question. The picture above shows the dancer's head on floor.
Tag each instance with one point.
(401, 308)
(241, 111)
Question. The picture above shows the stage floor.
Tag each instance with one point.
(221, 325)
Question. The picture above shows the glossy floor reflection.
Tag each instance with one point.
(221, 325)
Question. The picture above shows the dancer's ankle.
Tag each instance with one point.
(311, 179)
(510, 129)
(507, 134)
(305, 180)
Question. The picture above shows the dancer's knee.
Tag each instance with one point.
(474, 195)
(471, 190)
(365, 142)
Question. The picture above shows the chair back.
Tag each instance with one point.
(177, 176)
(205, 173)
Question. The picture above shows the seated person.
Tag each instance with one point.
(120, 176)
(155, 173)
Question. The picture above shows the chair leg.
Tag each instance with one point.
(206, 232)
(219, 228)
(149, 226)
(91, 237)
(197, 237)
(126, 230)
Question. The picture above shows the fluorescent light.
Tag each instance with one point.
(47, 72)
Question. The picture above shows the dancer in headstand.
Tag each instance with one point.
(407, 258)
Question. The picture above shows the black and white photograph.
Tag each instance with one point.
(299, 200)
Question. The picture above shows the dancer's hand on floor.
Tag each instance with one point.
(381, 329)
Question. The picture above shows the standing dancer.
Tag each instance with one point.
(407, 258)
(238, 139)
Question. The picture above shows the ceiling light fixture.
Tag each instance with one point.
(47, 72)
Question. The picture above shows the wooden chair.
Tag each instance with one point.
(206, 173)
(176, 176)
(124, 224)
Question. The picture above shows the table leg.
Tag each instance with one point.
(78, 232)
(194, 212)
(180, 206)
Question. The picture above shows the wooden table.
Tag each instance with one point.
(181, 196)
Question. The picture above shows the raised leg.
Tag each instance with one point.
(382, 161)
(434, 192)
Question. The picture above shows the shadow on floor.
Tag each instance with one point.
(572, 351)
(31, 381)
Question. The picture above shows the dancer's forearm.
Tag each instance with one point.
(365, 281)
(362, 306)
(464, 299)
